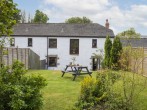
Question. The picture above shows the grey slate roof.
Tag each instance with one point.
(142, 42)
(62, 29)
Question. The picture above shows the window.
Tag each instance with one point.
(52, 61)
(29, 42)
(52, 43)
(94, 43)
(12, 42)
(74, 46)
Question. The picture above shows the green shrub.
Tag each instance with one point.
(108, 46)
(96, 93)
(115, 53)
(86, 99)
(18, 91)
(111, 91)
(103, 64)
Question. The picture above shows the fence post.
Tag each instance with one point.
(17, 52)
(143, 62)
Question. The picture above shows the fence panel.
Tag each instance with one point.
(23, 55)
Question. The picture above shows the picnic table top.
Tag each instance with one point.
(76, 66)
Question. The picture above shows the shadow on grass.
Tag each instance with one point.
(78, 78)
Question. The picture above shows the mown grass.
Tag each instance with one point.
(61, 93)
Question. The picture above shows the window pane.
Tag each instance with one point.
(52, 43)
(29, 41)
(12, 42)
(52, 61)
(74, 46)
(94, 43)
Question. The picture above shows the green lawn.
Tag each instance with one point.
(61, 93)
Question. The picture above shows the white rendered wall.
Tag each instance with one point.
(39, 45)
(85, 51)
(62, 50)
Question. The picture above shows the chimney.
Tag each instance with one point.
(107, 24)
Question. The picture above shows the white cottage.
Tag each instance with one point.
(58, 43)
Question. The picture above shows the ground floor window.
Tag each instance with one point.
(52, 61)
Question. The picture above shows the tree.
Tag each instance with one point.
(19, 91)
(7, 16)
(17, 16)
(108, 46)
(23, 16)
(29, 18)
(8, 12)
(115, 53)
(78, 20)
(128, 35)
(40, 17)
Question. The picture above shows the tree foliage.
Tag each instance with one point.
(128, 34)
(112, 90)
(108, 46)
(8, 13)
(23, 16)
(78, 20)
(115, 53)
(18, 91)
(127, 53)
(17, 16)
(40, 17)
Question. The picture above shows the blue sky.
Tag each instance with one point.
(122, 14)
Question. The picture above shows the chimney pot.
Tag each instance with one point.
(107, 24)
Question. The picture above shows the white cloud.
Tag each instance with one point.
(97, 10)
(78, 7)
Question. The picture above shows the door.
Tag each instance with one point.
(95, 64)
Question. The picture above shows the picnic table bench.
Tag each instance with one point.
(76, 70)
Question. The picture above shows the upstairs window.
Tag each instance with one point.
(12, 42)
(74, 46)
(52, 43)
(94, 43)
(30, 42)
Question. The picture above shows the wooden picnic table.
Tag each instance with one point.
(76, 70)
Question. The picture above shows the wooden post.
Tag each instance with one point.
(21, 55)
(7, 57)
(12, 56)
(17, 52)
(25, 59)
(143, 62)
(1, 56)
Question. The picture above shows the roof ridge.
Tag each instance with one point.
(58, 23)
(66, 24)
(89, 29)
